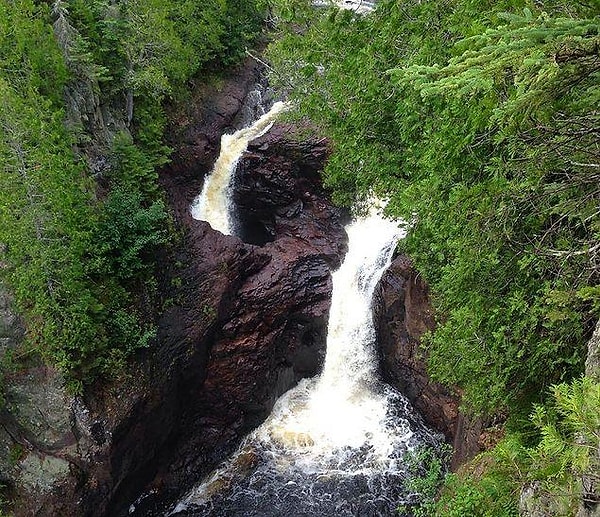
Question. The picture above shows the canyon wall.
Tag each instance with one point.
(240, 324)
(242, 320)
(404, 314)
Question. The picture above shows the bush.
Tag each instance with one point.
(127, 236)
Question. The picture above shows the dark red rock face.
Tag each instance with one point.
(267, 307)
(268, 208)
(404, 315)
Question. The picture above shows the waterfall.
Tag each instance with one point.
(334, 444)
(358, 6)
(344, 406)
(214, 202)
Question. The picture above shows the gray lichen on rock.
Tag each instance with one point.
(36, 433)
(592, 362)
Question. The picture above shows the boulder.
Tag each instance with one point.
(278, 190)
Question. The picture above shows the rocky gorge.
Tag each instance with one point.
(242, 321)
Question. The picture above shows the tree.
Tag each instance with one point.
(480, 129)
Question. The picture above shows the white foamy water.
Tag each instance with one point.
(214, 202)
(344, 407)
(359, 6)
(334, 443)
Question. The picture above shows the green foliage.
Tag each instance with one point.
(487, 489)
(80, 256)
(481, 128)
(132, 169)
(45, 209)
(15, 454)
(491, 495)
(243, 22)
(152, 47)
(30, 59)
(127, 235)
(566, 452)
(426, 468)
(523, 204)
(149, 126)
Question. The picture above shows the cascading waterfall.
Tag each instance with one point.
(334, 445)
(214, 202)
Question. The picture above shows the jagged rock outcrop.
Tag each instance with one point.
(266, 207)
(85, 109)
(404, 315)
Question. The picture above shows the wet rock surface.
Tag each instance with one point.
(404, 314)
(217, 106)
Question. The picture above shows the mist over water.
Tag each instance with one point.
(334, 445)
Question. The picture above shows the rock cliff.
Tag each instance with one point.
(241, 323)
(269, 304)
(404, 315)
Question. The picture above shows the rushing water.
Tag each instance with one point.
(358, 6)
(334, 445)
(214, 202)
